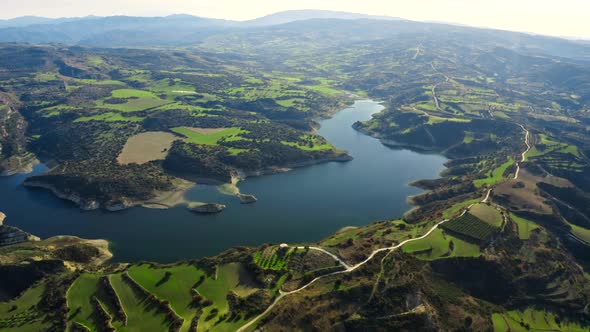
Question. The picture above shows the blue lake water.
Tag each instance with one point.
(304, 205)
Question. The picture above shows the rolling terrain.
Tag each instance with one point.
(499, 242)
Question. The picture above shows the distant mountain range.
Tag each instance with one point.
(324, 27)
(272, 19)
(301, 15)
(130, 30)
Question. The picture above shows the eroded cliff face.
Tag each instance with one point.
(14, 157)
(13, 235)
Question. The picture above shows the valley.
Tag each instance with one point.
(405, 176)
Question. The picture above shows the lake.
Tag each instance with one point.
(303, 205)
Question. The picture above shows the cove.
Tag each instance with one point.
(303, 205)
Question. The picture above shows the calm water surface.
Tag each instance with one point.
(303, 205)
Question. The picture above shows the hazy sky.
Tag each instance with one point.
(552, 17)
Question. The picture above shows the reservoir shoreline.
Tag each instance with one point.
(304, 204)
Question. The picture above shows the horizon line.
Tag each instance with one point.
(573, 38)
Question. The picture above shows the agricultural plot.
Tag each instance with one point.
(494, 176)
(18, 315)
(131, 100)
(470, 226)
(273, 258)
(142, 315)
(143, 290)
(555, 156)
(581, 233)
(208, 136)
(310, 143)
(525, 227)
(80, 300)
(324, 88)
(228, 278)
(439, 245)
(173, 284)
(109, 117)
(547, 145)
(487, 213)
(172, 87)
(533, 320)
(146, 147)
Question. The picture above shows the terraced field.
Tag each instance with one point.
(19, 315)
(533, 320)
(273, 258)
(145, 291)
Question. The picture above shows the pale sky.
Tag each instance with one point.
(551, 17)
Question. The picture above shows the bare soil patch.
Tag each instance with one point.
(146, 147)
(524, 195)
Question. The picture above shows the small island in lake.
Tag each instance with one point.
(206, 208)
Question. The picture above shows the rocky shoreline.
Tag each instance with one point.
(13, 235)
(126, 203)
(242, 174)
(85, 204)
(24, 165)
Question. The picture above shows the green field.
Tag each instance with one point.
(547, 145)
(172, 87)
(438, 245)
(581, 232)
(136, 100)
(495, 175)
(209, 139)
(272, 258)
(311, 144)
(323, 87)
(487, 213)
(141, 315)
(18, 315)
(532, 320)
(110, 117)
(176, 288)
(455, 209)
(175, 284)
(525, 227)
(230, 277)
(79, 300)
(470, 226)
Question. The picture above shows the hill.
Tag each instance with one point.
(302, 15)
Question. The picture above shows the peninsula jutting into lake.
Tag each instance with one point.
(303, 171)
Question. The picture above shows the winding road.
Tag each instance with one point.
(436, 102)
(351, 268)
(523, 157)
(347, 269)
